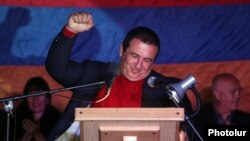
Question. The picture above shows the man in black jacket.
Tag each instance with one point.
(128, 86)
(224, 109)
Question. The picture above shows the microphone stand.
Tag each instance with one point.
(8, 127)
(50, 92)
(187, 117)
(8, 106)
(8, 101)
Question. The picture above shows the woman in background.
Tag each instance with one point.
(35, 116)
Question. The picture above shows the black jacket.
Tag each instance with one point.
(207, 116)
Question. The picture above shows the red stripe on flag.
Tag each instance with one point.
(119, 3)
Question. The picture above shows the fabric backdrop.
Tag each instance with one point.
(199, 38)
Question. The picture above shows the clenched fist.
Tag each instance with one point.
(80, 22)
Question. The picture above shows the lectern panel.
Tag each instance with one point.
(119, 133)
(115, 124)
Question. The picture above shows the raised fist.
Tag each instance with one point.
(80, 22)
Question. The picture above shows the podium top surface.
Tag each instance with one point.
(149, 114)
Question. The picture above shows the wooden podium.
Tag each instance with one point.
(129, 124)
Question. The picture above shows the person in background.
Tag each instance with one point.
(127, 88)
(224, 109)
(35, 116)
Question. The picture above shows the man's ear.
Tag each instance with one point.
(216, 95)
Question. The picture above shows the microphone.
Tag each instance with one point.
(176, 90)
(156, 82)
(8, 106)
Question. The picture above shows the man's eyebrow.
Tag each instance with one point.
(149, 59)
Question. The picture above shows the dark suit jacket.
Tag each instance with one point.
(71, 73)
(207, 116)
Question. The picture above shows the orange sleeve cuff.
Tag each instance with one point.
(68, 33)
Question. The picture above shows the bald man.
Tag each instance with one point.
(224, 109)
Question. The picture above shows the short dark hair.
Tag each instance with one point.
(36, 84)
(144, 34)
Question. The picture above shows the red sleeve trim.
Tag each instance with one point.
(68, 33)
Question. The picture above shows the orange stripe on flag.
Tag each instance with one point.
(13, 79)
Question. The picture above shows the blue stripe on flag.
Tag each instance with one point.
(188, 34)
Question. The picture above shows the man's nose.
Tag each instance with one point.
(237, 95)
(139, 63)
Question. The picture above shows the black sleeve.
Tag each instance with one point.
(58, 62)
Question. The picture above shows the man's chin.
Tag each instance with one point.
(135, 77)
